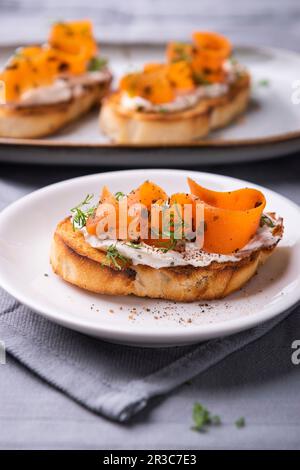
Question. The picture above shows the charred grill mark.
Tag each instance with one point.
(130, 273)
(12, 67)
(63, 67)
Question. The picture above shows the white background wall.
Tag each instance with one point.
(269, 22)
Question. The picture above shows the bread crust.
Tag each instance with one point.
(88, 268)
(41, 120)
(126, 126)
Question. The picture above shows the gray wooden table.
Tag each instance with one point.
(260, 382)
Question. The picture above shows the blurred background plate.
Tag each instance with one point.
(270, 128)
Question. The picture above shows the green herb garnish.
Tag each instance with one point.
(170, 245)
(97, 63)
(81, 214)
(200, 79)
(119, 195)
(181, 53)
(171, 232)
(137, 246)
(241, 422)
(265, 220)
(114, 256)
(202, 418)
(233, 60)
(264, 82)
(216, 420)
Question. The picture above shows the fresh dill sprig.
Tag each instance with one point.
(202, 418)
(200, 79)
(137, 246)
(264, 82)
(119, 195)
(233, 60)
(265, 220)
(241, 422)
(97, 63)
(81, 214)
(169, 245)
(114, 256)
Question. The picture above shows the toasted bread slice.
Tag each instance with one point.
(78, 263)
(126, 126)
(41, 120)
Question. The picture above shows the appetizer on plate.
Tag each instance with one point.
(50, 85)
(201, 87)
(184, 247)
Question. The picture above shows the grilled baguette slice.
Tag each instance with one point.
(24, 122)
(127, 126)
(78, 263)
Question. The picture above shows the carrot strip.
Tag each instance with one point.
(151, 84)
(231, 218)
(147, 193)
(74, 37)
(178, 51)
(70, 48)
(180, 76)
(212, 42)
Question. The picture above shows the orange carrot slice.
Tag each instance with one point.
(147, 193)
(74, 37)
(106, 198)
(152, 85)
(178, 51)
(213, 42)
(180, 76)
(75, 44)
(19, 75)
(210, 52)
(71, 47)
(153, 66)
(207, 69)
(231, 218)
(182, 199)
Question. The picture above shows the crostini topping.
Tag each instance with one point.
(143, 253)
(179, 103)
(190, 71)
(62, 90)
(231, 218)
(57, 92)
(71, 51)
(228, 224)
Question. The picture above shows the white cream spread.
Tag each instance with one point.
(182, 101)
(58, 92)
(156, 258)
(185, 100)
(62, 90)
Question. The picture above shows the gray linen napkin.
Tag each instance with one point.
(112, 380)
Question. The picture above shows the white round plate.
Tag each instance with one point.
(26, 229)
(269, 128)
